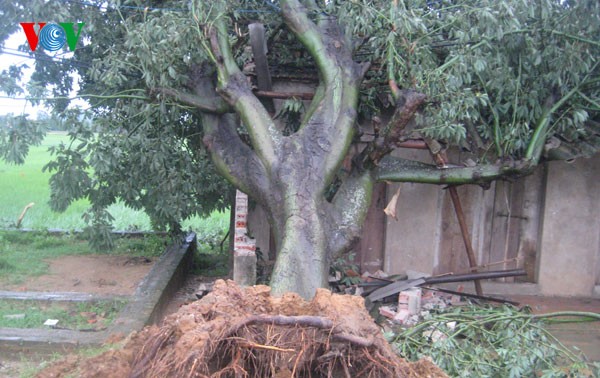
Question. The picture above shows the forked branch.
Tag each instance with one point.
(328, 124)
(235, 89)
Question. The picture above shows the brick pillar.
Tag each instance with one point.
(244, 248)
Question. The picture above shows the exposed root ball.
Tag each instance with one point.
(244, 332)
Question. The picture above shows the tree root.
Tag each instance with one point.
(302, 321)
(242, 332)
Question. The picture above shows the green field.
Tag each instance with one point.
(33, 314)
(24, 254)
(23, 184)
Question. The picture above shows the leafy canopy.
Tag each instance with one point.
(501, 78)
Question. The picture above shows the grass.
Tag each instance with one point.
(29, 366)
(23, 254)
(211, 264)
(78, 316)
(210, 231)
(23, 184)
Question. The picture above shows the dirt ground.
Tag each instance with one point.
(584, 337)
(96, 274)
(187, 293)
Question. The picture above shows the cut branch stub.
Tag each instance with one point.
(407, 105)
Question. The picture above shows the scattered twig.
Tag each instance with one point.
(18, 224)
(223, 240)
(593, 316)
(249, 344)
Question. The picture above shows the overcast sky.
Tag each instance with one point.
(10, 56)
(7, 59)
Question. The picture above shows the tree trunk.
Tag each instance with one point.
(302, 263)
(289, 175)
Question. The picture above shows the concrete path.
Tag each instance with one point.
(585, 336)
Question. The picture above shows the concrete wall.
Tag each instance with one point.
(570, 249)
(550, 221)
(412, 241)
(426, 236)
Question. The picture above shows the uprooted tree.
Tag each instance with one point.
(511, 82)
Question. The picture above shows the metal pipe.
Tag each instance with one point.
(476, 276)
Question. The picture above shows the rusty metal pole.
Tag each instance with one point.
(465, 234)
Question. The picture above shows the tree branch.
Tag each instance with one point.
(328, 125)
(402, 170)
(232, 157)
(536, 144)
(235, 89)
(311, 37)
(407, 104)
(214, 105)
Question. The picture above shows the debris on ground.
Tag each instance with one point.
(499, 341)
(415, 304)
(246, 332)
(387, 289)
(203, 289)
(469, 335)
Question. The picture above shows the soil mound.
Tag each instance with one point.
(244, 332)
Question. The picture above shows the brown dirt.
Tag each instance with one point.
(96, 274)
(244, 332)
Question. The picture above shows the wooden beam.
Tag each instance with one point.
(442, 160)
(466, 236)
(285, 95)
(259, 50)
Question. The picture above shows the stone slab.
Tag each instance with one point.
(58, 296)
